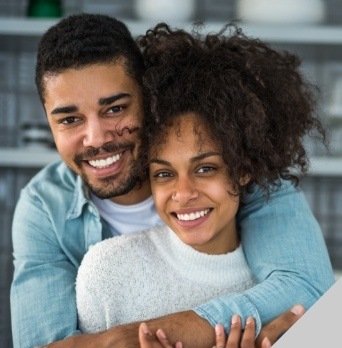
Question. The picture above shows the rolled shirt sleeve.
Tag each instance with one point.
(286, 252)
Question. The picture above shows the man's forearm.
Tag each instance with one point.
(186, 327)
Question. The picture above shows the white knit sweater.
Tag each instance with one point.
(150, 274)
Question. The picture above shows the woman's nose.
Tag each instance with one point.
(185, 191)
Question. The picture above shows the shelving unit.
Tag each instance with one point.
(297, 34)
(323, 185)
(39, 157)
(304, 35)
(27, 157)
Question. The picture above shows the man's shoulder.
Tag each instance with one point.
(54, 175)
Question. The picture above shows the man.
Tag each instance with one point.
(89, 74)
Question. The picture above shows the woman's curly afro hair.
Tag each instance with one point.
(252, 99)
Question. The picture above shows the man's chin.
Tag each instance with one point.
(106, 189)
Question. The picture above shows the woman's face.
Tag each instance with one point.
(190, 188)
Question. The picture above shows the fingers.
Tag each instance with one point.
(147, 340)
(248, 336)
(276, 328)
(266, 343)
(220, 336)
(237, 338)
(235, 332)
(165, 342)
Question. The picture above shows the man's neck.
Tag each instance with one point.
(137, 195)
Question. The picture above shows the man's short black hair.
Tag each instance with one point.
(85, 39)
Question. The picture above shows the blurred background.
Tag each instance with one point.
(311, 28)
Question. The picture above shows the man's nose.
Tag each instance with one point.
(97, 133)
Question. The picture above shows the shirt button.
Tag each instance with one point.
(90, 209)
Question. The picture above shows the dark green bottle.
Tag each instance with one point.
(44, 8)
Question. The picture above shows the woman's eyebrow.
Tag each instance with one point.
(192, 160)
(204, 155)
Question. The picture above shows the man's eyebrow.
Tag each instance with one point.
(102, 101)
(112, 98)
(64, 110)
(192, 160)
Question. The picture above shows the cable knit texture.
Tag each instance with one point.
(150, 274)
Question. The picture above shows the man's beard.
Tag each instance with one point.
(117, 184)
(114, 186)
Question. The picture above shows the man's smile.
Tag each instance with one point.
(104, 163)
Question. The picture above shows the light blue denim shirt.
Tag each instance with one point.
(55, 223)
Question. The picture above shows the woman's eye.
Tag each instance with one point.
(205, 169)
(163, 175)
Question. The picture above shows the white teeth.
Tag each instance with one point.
(192, 216)
(103, 163)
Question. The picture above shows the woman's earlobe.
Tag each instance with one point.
(245, 179)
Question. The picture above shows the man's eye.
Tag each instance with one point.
(68, 120)
(115, 109)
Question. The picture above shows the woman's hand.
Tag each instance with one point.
(238, 338)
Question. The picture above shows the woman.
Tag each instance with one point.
(228, 114)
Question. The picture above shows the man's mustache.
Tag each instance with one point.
(110, 147)
(105, 148)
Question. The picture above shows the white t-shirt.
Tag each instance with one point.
(124, 219)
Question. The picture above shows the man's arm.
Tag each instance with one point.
(287, 254)
(186, 326)
(286, 251)
(270, 333)
(43, 292)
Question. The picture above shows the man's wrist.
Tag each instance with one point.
(187, 327)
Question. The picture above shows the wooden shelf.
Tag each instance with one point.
(27, 157)
(39, 157)
(326, 166)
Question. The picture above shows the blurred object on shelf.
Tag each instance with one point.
(335, 95)
(324, 195)
(117, 9)
(44, 8)
(335, 126)
(215, 10)
(165, 10)
(281, 11)
(36, 134)
(333, 85)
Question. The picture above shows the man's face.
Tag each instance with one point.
(95, 115)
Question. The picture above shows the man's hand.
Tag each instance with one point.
(277, 327)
